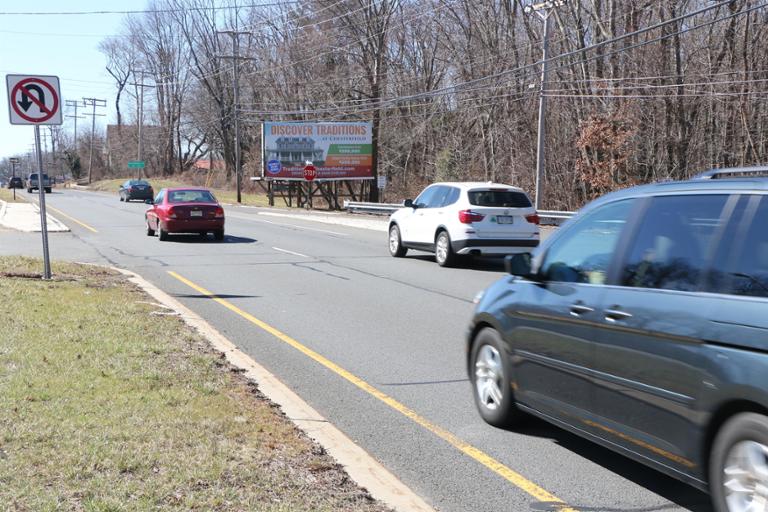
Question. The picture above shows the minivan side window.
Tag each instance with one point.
(745, 272)
(583, 254)
(671, 244)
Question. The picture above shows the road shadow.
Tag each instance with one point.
(217, 295)
(423, 383)
(677, 492)
(483, 263)
(194, 238)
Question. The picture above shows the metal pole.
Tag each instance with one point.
(238, 170)
(542, 113)
(41, 191)
(13, 170)
(93, 131)
(141, 120)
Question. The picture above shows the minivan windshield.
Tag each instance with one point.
(499, 198)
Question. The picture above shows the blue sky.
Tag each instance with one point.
(62, 45)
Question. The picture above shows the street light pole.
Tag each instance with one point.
(544, 10)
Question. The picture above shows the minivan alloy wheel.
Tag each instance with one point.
(489, 377)
(745, 479)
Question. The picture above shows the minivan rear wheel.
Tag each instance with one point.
(738, 467)
(491, 380)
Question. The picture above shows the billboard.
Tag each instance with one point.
(339, 151)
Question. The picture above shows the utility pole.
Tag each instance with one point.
(53, 133)
(93, 102)
(140, 120)
(236, 58)
(544, 10)
(76, 104)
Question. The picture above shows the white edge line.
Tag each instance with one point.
(290, 252)
(361, 467)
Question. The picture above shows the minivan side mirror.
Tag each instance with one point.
(408, 203)
(519, 265)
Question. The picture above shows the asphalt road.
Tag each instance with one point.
(376, 344)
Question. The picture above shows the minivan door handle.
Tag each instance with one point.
(578, 309)
(614, 314)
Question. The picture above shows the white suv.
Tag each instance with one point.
(453, 219)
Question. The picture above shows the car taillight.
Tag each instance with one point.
(172, 212)
(219, 212)
(533, 218)
(468, 216)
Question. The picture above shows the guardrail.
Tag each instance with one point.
(547, 216)
(374, 208)
(553, 217)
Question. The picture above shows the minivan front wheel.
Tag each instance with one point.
(491, 380)
(738, 468)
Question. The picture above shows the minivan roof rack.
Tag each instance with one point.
(733, 172)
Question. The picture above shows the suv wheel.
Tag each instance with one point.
(444, 254)
(491, 381)
(738, 467)
(396, 248)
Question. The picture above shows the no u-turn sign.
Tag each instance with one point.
(34, 99)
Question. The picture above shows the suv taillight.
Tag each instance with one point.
(533, 218)
(468, 216)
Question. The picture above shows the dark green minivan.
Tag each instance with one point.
(642, 324)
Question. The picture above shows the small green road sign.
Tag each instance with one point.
(136, 164)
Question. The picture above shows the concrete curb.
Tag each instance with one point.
(361, 467)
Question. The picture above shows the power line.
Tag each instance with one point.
(146, 11)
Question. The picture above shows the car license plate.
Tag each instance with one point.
(504, 219)
(195, 213)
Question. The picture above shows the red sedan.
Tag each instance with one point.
(185, 210)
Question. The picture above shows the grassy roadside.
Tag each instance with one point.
(108, 403)
(223, 195)
(7, 195)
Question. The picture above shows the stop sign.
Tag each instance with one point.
(310, 172)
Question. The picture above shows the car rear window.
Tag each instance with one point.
(500, 198)
(137, 182)
(190, 196)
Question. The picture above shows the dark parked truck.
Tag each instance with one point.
(32, 182)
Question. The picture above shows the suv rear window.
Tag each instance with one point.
(499, 198)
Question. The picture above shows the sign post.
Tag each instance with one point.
(14, 161)
(35, 100)
(310, 172)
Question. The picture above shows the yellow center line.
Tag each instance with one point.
(478, 455)
(86, 226)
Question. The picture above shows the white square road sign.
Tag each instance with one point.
(34, 99)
